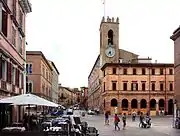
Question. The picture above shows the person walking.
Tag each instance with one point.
(124, 120)
(133, 116)
(106, 118)
(116, 122)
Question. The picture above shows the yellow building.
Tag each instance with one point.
(120, 81)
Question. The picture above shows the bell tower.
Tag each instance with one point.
(109, 40)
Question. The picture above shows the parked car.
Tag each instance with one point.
(91, 112)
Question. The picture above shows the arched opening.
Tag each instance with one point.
(110, 37)
(170, 107)
(161, 104)
(114, 103)
(143, 104)
(134, 104)
(153, 104)
(30, 87)
(124, 104)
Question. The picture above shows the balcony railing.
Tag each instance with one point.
(138, 92)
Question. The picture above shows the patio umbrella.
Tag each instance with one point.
(28, 99)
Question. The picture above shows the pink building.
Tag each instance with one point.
(12, 54)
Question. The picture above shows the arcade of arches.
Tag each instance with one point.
(126, 106)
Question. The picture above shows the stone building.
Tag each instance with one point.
(121, 82)
(55, 82)
(176, 38)
(39, 73)
(12, 55)
(66, 96)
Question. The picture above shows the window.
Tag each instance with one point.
(161, 86)
(43, 71)
(4, 70)
(161, 71)
(20, 18)
(125, 71)
(114, 70)
(30, 86)
(143, 86)
(113, 85)
(20, 44)
(29, 68)
(153, 71)
(134, 71)
(124, 86)
(20, 80)
(171, 87)
(170, 71)
(110, 37)
(13, 76)
(153, 86)
(13, 36)
(46, 74)
(134, 86)
(104, 86)
(143, 71)
(4, 22)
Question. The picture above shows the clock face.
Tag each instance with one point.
(110, 52)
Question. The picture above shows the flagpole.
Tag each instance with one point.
(104, 8)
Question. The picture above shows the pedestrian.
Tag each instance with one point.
(106, 118)
(124, 120)
(133, 116)
(116, 122)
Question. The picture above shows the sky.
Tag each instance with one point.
(67, 32)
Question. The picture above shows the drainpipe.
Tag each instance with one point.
(165, 97)
(149, 91)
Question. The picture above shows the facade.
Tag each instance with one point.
(176, 38)
(55, 77)
(121, 82)
(39, 73)
(84, 99)
(66, 96)
(12, 55)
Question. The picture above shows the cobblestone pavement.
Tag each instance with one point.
(161, 126)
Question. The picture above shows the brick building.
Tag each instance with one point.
(66, 96)
(122, 82)
(176, 38)
(39, 73)
(12, 55)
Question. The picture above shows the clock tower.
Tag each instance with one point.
(109, 40)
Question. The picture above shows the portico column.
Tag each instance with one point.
(129, 107)
(138, 106)
(157, 108)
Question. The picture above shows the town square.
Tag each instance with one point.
(89, 68)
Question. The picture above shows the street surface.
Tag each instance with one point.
(161, 126)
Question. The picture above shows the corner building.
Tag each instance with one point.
(121, 82)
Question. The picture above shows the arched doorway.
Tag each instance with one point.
(161, 104)
(124, 104)
(134, 104)
(170, 107)
(114, 103)
(153, 104)
(143, 104)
